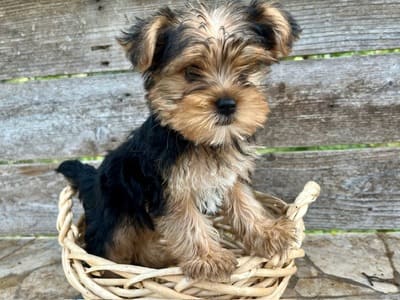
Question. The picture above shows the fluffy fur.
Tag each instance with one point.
(193, 155)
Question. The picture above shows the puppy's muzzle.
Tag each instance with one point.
(226, 106)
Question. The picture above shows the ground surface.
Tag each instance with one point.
(342, 266)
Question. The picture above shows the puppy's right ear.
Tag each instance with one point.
(143, 40)
(275, 27)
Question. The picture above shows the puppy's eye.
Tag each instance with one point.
(193, 73)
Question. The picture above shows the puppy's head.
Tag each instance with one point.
(203, 67)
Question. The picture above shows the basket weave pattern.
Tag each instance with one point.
(255, 277)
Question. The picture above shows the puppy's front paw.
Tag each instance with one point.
(276, 238)
(217, 266)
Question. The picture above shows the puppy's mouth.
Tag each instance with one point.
(223, 120)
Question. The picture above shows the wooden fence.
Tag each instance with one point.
(338, 101)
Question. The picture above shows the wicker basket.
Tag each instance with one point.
(255, 277)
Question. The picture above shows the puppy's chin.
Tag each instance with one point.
(213, 130)
(225, 120)
(225, 135)
(223, 132)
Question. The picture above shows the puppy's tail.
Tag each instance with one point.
(77, 173)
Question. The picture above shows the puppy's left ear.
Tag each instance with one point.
(145, 39)
(274, 27)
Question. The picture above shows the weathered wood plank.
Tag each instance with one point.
(54, 37)
(317, 102)
(79, 116)
(360, 190)
(29, 199)
(339, 101)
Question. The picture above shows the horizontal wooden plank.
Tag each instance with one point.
(79, 116)
(29, 199)
(52, 37)
(338, 101)
(360, 190)
(313, 102)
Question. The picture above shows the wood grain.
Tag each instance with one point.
(313, 102)
(69, 117)
(29, 199)
(55, 37)
(360, 190)
(338, 101)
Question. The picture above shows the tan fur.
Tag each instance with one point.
(195, 118)
(282, 30)
(202, 175)
(194, 115)
(149, 41)
(215, 172)
(139, 246)
(148, 45)
(216, 23)
(262, 234)
(194, 241)
(81, 229)
(222, 62)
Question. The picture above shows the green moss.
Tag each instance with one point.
(50, 161)
(17, 80)
(343, 54)
(265, 150)
(91, 158)
(291, 58)
(344, 231)
(260, 150)
(60, 76)
(28, 161)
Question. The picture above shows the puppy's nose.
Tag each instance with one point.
(226, 106)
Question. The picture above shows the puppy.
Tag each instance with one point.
(193, 156)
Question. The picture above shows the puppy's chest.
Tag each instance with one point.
(211, 187)
(207, 177)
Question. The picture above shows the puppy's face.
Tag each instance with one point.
(203, 67)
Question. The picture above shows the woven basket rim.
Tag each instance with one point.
(255, 277)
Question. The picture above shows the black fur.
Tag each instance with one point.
(264, 28)
(166, 47)
(128, 185)
(169, 46)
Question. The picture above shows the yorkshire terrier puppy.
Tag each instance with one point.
(193, 156)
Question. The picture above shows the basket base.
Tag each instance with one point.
(254, 277)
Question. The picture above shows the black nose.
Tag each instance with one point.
(226, 106)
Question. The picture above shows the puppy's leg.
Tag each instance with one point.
(263, 235)
(141, 246)
(195, 241)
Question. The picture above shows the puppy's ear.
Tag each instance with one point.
(275, 28)
(144, 40)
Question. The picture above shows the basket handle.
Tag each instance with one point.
(65, 216)
(298, 208)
